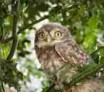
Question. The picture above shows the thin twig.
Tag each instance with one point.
(96, 51)
(2, 87)
(31, 24)
(50, 88)
(14, 34)
(24, 28)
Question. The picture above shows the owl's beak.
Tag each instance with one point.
(48, 39)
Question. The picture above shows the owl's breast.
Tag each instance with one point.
(50, 60)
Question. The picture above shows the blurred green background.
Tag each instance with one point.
(85, 19)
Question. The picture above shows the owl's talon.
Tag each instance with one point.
(59, 86)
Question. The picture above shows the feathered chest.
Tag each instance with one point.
(49, 59)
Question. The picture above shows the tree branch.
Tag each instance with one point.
(31, 24)
(91, 69)
(14, 34)
(24, 28)
(2, 87)
(87, 71)
(50, 88)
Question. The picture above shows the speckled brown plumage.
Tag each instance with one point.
(55, 47)
(91, 85)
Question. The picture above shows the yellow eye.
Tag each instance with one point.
(42, 35)
(58, 34)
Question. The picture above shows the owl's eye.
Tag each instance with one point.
(42, 35)
(58, 34)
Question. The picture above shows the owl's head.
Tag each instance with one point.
(51, 34)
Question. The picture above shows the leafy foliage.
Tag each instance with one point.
(9, 74)
(84, 18)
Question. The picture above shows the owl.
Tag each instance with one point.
(56, 48)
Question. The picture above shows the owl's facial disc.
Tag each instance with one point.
(51, 36)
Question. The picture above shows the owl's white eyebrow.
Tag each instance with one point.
(56, 29)
(40, 32)
(53, 30)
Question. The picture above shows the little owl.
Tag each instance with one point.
(55, 48)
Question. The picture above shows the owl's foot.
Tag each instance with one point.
(58, 85)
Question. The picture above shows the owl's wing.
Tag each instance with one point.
(71, 53)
